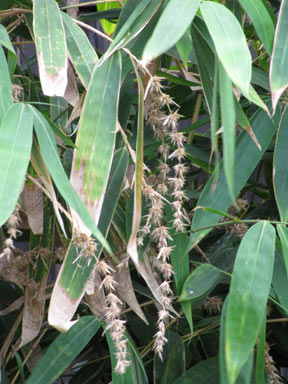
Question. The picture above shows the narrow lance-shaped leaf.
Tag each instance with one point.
(132, 244)
(135, 22)
(96, 136)
(230, 43)
(250, 94)
(50, 155)
(229, 126)
(200, 283)
(6, 42)
(135, 372)
(262, 21)
(279, 60)
(172, 364)
(71, 290)
(168, 30)
(64, 350)
(16, 141)
(283, 234)
(248, 295)
(5, 86)
(50, 46)
(80, 50)
(280, 170)
(215, 194)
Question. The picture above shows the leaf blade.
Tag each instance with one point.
(16, 142)
(168, 30)
(248, 295)
(230, 43)
(279, 61)
(50, 47)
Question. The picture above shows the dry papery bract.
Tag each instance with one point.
(170, 178)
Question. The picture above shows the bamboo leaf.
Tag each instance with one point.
(132, 244)
(50, 155)
(280, 171)
(248, 295)
(215, 194)
(228, 117)
(5, 86)
(262, 21)
(6, 42)
(283, 234)
(230, 43)
(168, 30)
(200, 283)
(246, 371)
(42, 172)
(207, 371)
(260, 360)
(70, 291)
(135, 372)
(184, 46)
(50, 46)
(172, 364)
(64, 349)
(107, 26)
(135, 22)
(16, 141)
(280, 275)
(80, 50)
(279, 60)
(96, 135)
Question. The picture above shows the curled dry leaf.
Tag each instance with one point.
(126, 291)
(32, 199)
(33, 314)
(96, 299)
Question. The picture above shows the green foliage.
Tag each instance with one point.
(141, 187)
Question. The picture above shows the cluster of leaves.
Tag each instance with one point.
(176, 132)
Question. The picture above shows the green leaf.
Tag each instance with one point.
(70, 291)
(230, 43)
(246, 371)
(134, 21)
(206, 64)
(280, 279)
(6, 42)
(168, 30)
(283, 234)
(207, 371)
(135, 372)
(260, 360)
(50, 155)
(137, 206)
(172, 365)
(5, 86)
(200, 283)
(279, 60)
(248, 295)
(80, 50)
(50, 46)
(184, 46)
(280, 170)
(228, 118)
(64, 349)
(107, 26)
(16, 141)
(215, 194)
(96, 134)
(262, 21)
